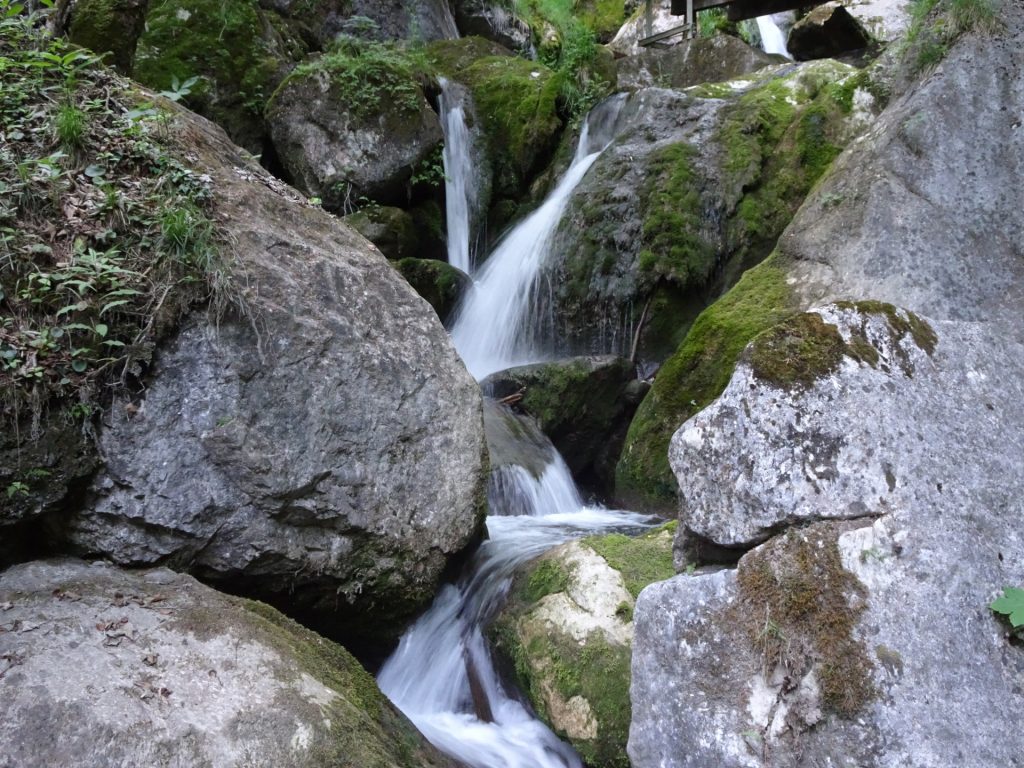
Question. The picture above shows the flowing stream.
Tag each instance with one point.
(772, 39)
(442, 675)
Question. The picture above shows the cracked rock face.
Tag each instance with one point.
(100, 666)
(324, 449)
(933, 460)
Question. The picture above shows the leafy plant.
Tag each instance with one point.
(1011, 607)
(103, 242)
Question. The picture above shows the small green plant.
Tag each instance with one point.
(17, 488)
(1011, 607)
(712, 21)
(70, 123)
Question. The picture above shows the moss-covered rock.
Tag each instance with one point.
(603, 17)
(355, 124)
(694, 376)
(234, 49)
(390, 229)
(567, 632)
(441, 284)
(582, 404)
(517, 102)
(109, 27)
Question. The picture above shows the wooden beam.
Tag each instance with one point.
(739, 10)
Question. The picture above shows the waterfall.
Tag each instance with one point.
(495, 328)
(772, 39)
(459, 175)
(442, 675)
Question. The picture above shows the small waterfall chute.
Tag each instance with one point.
(772, 38)
(495, 327)
(459, 174)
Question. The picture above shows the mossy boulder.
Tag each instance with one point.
(517, 103)
(674, 210)
(355, 124)
(393, 230)
(110, 27)
(152, 668)
(768, 147)
(441, 284)
(582, 404)
(567, 633)
(603, 17)
(238, 51)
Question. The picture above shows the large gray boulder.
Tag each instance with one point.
(321, 445)
(828, 30)
(691, 62)
(846, 638)
(100, 666)
(342, 141)
(928, 205)
(876, 453)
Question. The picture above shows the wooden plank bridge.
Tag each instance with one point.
(736, 10)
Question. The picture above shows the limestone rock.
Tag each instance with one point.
(691, 62)
(821, 445)
(568, 627)
(884, 20)
(639, 26)
(341, 144)
(904, 443)
(100, 666)
(828, 30)
(929, 216)
(581, 404)
(321, 447)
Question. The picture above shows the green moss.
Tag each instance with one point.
(368, 75)
(694, 376)
(597, 671)
(797, 352)
(547, 578)
(672, 247)
(641, 560)
(799, 608)
(437, 282)
(603, 17)
(223, 43)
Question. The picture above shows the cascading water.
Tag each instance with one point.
(442, 675)
(459, 177)
(772, 39)
(493, 329)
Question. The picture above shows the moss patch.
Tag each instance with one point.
(599, 672)
(797, 352)
(694, 376)
(517, 103)
(641, 560)
(672, 248)
(223, 42)
(799, 608)
(108, 27)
